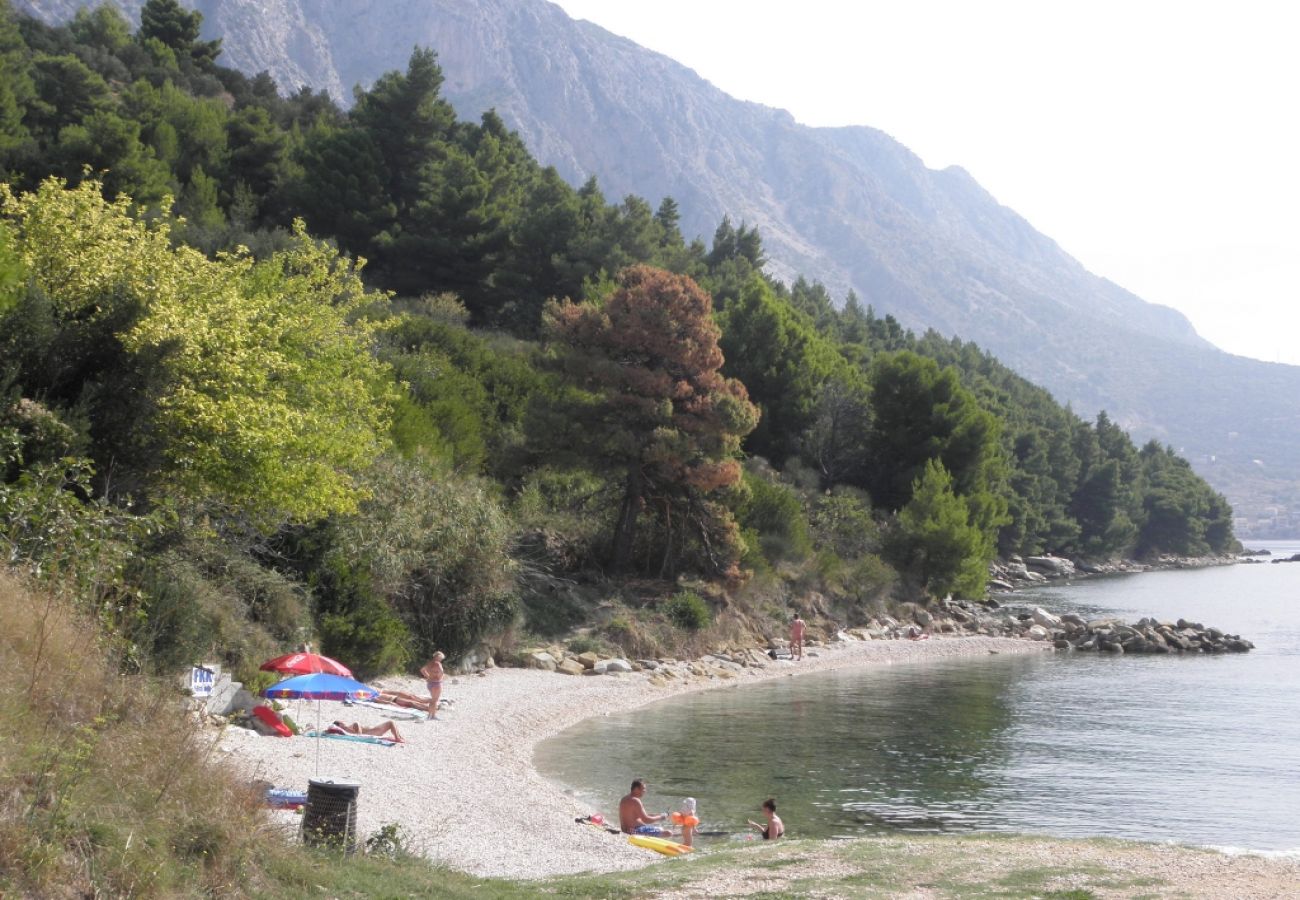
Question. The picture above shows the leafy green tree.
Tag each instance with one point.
(263, 385)
(783, 363)
(16, 90)
(836, 441)
(343, 188)
(406, 119)
(773, 511)
(177, 29)
(66, 93)
(661, 410)
(937, 541)
(923, 413)
(104, 27)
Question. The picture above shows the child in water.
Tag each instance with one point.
(689, 821)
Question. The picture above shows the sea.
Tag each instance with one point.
(1194, 749)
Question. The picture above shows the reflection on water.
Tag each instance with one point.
(914, 746)
(1197, 749)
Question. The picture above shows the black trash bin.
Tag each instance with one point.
(330, 816)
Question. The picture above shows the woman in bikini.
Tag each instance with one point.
(432, 673)
(775, 827)
(387, 730)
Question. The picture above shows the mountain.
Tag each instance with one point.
(850, 207)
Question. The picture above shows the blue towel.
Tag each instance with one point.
(359, 738)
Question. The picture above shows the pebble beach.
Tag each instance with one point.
(463, 788)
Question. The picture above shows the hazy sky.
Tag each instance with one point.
(1157, 142)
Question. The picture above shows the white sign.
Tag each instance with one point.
(201, 681)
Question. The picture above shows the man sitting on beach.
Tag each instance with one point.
(633, 818)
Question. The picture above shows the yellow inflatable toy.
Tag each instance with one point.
(659, 845)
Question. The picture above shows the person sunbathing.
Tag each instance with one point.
(402, 698)
(386, 730)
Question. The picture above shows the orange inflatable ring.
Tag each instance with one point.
(683, 819)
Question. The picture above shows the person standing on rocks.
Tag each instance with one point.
(632, 817)
(797, 628)
(432, 673)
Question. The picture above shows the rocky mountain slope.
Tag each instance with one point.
(850, 207)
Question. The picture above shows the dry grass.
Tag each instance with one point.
(105, 787)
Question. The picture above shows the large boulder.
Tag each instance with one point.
(570, 666)
(1055, 566)
(538, 659)
(617, 665)
(1044, 618)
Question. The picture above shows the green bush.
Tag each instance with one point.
(435, 552)
(370, 637)
(205, 603)
(584, 643)
(688, 610)
(773, 510)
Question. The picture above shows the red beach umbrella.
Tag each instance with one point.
(305, 664)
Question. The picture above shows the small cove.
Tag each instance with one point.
(1201, 750)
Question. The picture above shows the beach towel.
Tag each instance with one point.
(359, 738)
(285, 798)
(393, 712)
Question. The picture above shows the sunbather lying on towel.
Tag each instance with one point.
(386, 730)
(402, 698)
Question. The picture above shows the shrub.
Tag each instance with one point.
(389, 841)
(688, 610)
(584, 643)
(773, 511)
(434, 552)
(208, 600)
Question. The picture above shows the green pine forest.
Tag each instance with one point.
(273, 370)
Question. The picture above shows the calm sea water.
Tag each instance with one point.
(1194, 749)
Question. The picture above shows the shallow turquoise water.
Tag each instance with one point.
(1202, 750)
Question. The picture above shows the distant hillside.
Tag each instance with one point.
(850, 207)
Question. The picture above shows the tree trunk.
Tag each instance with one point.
(629, 514)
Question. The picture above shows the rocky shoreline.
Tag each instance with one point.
(1017, 572)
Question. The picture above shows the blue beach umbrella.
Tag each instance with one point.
(320, 686)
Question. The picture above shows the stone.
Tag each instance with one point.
(1036, 633)
(588, 659)
(539, 659)
(1055, 566)
(600, 668)
(1044, 618)
(227, 697)
(617, 665)
(570, 666)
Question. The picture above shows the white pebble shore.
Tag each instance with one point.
(463, 788)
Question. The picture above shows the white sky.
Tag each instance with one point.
(1157, 142)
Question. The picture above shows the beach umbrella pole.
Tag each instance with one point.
(317, 737)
